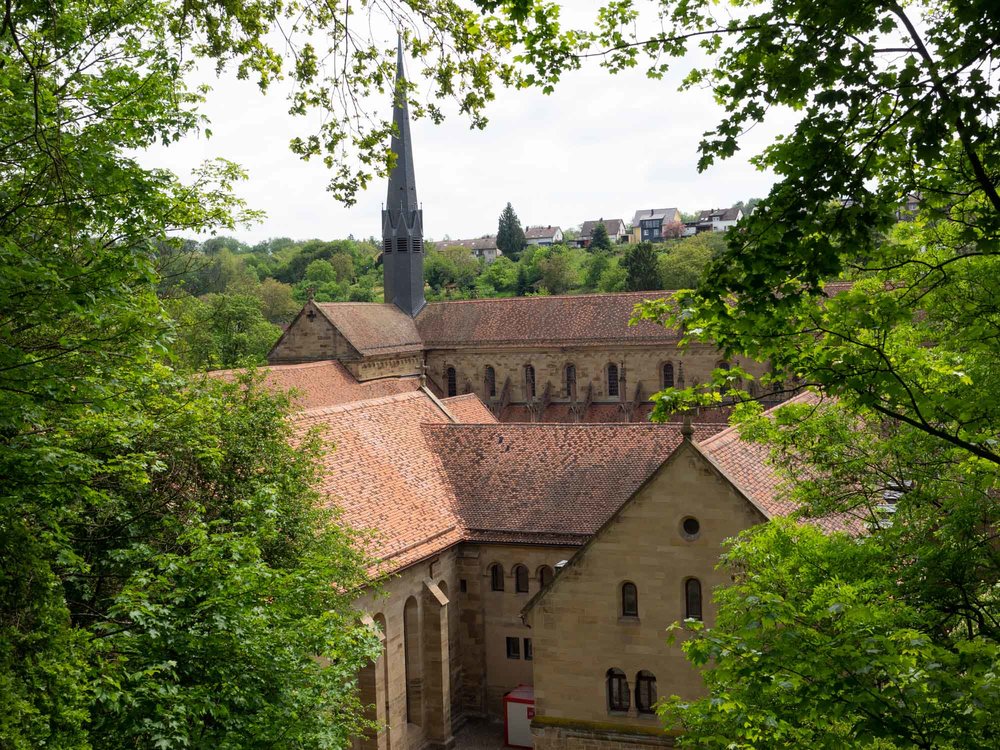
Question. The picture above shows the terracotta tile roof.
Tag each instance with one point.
(469, 409)
(714, 419)
(380, 470)
(614, 227)
(724, 214)
(561, 481)
(747, 465)
(326, 383)
(533, 321)
(540, 233)
(373, 328)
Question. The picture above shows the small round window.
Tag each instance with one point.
(690, 528)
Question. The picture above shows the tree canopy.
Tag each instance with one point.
(897, 102)
(510, 234)
(599, 239)
(640, 264)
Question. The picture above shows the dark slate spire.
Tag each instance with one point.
(402, 192)
(402, 219)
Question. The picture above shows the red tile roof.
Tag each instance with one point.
(545, 482)
(373, 328)
(381, 471)
(540, 233)
(327, 383)
(469, 409)
(568, 320)
(399, 466)
(748, 466)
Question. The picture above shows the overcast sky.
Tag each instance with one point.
(600, 146)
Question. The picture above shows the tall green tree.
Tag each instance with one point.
(600, 241)
(895, 100)
(640, 266)
(510, 235)
(558, 274)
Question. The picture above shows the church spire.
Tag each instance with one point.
(402, 219)
(402, 193)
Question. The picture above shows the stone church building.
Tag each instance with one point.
(529, 526)
(530, 359)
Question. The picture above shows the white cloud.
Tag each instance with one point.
(600, 145)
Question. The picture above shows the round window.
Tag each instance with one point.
(690, 527)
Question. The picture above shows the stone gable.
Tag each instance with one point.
(580, 613)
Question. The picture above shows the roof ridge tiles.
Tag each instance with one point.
(355, 405)
(566, 425)
(543, 296)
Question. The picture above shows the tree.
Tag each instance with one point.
(165, 577)
(640, 266)
(599, 239)
(510, 235)
(501, 275)
(596, 265)
(683, 264)
(557, 272)
(276, 301)
(672, 230)
(889, 105)
(453, 267)
(809, 609)
(343, 265)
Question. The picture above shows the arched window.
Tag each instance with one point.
(529, 381)
(490, 382)
(645, 692)
(570, 380)
(384, 658)
(722, 365)
(630, 600)
(545, 575)
(692, 599)
(452, 377)
(618, 695)
(496, 577)
(612, 379)
(668, 375)
(520, 579)
(412, 661)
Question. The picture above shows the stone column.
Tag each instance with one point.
(437, 670)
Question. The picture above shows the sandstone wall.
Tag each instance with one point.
(417, 613)
(579, 631)
(371, 368)
(501, 616)
(642, 365)
(311, 337)
(586, 737)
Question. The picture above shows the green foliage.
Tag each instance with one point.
(276, 301)
(453, 267)
(510, 234)
(810, 610)
(501, 275)
(221, 331)
(896, 636)
(596, 265)
(682, 264)
(640, 266)
(557, 271)
(165, 578)
(599, 239)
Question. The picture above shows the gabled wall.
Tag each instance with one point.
(311, 337)
(578, 630)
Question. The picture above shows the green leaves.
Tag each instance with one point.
(814, 645)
